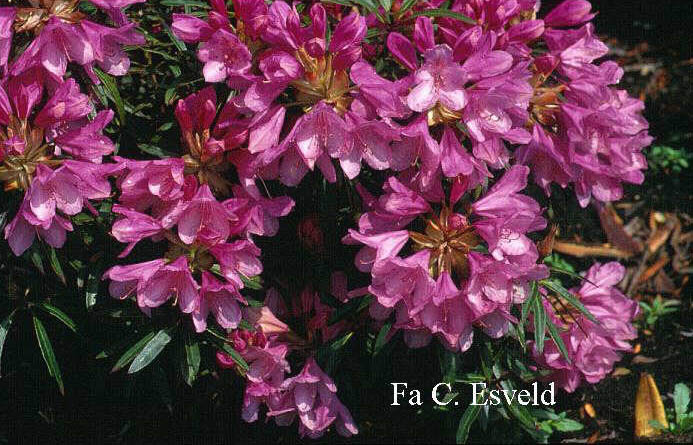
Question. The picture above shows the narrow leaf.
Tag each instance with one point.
(380, 340)
(570, 298)
(553, 332)
(466, 421)
(192, 361)
(60, 315)
(150, 351)
(111, 90)
(130, 354)
(4, 330)
(539, 314)
(48, 353)
(445, 13)
(55, 264)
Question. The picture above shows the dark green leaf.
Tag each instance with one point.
(55, 264)
(4, 330)
(194, 3)
(176, 41)
(130, 354)
(192, 360)
(48, 353)
(468, 417)
(380, 339)
(570, 298)
(539, 314)
(60, 315)
(553, 331)
(445, 13)
(111, 90)
(150, 351)
(223, 344)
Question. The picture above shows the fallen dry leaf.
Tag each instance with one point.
(615, 233)
(581, 250)
(643, 360)
(648, 406)
(637, 348)
(589, 410)
(620, 372)
(653, 269)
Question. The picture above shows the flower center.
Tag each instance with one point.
(449, 237)
(199, 258)
(440, 114)
(205, 161)
(21, 150)
(545, 103)
(322, 82)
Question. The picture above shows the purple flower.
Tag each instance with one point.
(592, 348)
(221, 300)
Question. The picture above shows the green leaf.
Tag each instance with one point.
(155, 151)
(682, 397)
(4, 330)
(48, 354)
(380, 339)
(568, 425)
(539, 314)
(468, 417)
(386, 4)
(445, 13)
(60, 315)
(192, 361)
(223, 344)
(194, 3)
(406, 5)
(570, 298)
(349, 308)
(55, 264)
(553, 331)
(150, 351)
(130, 354)
(254, 283)
(111, 90)
(341, 341)
(36, 259)
(176, 41)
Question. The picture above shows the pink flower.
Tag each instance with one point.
(440, 79)
(7, 15)
(569, 13)
(24, 227)
(238, 259)
(219, 299)
(107, 44)
(592, 348)
(156, 282)
(225, 57)
(311, 395)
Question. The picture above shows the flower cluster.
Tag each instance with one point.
(51, 137)
(447, 114)
(62, 33)
(592, 347)
(447, 284)
(210, 250)
(309, 396)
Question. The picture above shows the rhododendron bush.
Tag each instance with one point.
(289, 198)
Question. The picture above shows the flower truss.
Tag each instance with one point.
(449, 115)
